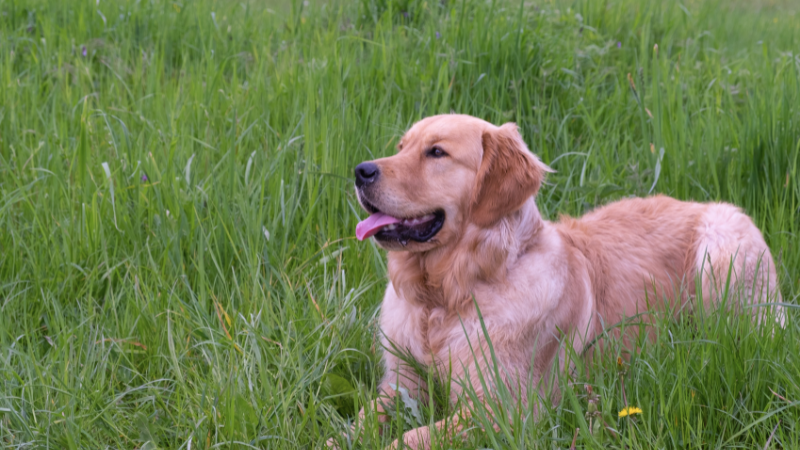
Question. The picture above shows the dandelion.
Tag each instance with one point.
(629, 411)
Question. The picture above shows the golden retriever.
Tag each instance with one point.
(455, 209)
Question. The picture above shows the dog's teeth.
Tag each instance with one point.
(391, 227)
(404, 243)
(417, 220)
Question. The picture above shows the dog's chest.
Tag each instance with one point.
(435, 332)
(420, 330)
(429, 333)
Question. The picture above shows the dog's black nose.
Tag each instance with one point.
(366, 173)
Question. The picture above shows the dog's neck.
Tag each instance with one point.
(445, 277)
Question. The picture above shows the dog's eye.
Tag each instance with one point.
(436, 152)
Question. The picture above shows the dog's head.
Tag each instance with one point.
(449, 171)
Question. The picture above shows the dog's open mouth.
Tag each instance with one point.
(387, 228)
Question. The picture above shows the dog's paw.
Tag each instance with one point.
(332, 444)
(346, 438)
(419, 438)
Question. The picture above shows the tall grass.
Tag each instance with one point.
(177, 262)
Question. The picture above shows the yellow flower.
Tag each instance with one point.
(629, 411)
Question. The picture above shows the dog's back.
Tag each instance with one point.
(643, 252)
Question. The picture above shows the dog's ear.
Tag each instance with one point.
(509, 174)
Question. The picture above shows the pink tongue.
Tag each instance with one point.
(372, 224)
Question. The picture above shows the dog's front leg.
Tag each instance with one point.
(398, 377)
(378, 406)
(420, 438)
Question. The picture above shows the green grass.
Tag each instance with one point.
(206, 289)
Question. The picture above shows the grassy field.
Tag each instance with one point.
(178, 267)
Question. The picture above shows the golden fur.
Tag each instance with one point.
(537, 283)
